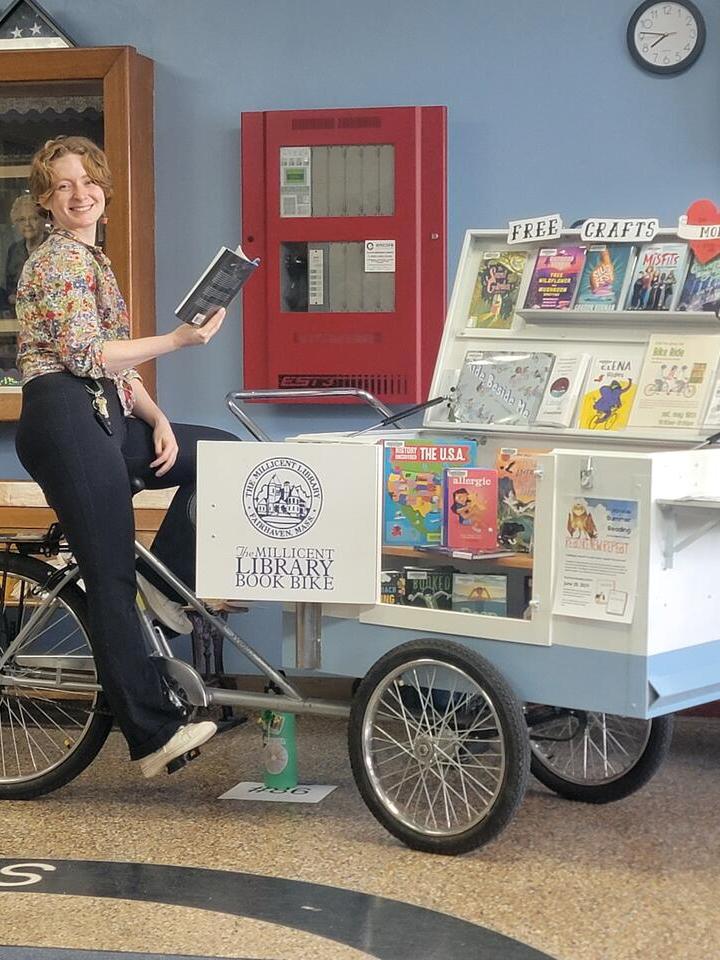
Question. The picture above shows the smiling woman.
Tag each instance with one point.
(88, 426)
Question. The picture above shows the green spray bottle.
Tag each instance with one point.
(279, 750)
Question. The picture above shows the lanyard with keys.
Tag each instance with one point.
(100, 406)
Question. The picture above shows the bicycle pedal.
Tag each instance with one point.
(179, 762)
(224, 726)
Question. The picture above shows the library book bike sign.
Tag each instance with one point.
(288, 522)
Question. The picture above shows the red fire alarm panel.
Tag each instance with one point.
(348, 210)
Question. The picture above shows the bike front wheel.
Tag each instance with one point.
(48, 735)
(438, 746)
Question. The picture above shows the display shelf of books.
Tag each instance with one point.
(610, 343)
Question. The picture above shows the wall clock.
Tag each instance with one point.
(666, 38)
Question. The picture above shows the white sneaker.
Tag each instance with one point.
(164, 609)
(184, 740)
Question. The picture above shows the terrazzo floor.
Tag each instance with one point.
(635, 879)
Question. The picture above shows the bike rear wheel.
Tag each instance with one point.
(595, 757)
(47, 736)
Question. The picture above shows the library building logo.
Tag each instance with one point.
(282, 498)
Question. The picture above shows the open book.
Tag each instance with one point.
(217, 287)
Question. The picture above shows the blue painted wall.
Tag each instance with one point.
(547, 112)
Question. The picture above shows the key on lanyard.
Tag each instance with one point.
(100, 406)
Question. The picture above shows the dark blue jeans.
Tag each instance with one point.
(85, 476)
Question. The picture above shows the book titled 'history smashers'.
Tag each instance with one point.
(413, 487)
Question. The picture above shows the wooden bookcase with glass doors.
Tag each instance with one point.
(105, 93)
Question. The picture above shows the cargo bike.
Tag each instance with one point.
(451, 710)
(444, 728)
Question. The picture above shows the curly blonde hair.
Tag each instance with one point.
(93, 160)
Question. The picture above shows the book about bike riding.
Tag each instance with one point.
(658, 276)
(555, 277)
(501, 386)
(701, 290)
(413, 487)
(497, 285)
(677, 377)
(218, 286)
(605, 276)
(610, 388)
(470, 509)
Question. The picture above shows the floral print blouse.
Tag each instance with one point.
(68, 304)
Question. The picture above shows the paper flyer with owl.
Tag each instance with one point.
(598, 559)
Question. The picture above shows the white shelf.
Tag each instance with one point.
(449, 622)
(648, 317)
(697, 502)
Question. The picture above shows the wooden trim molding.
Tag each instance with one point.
(127, 83)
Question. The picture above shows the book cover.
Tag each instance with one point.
(712, 415)
(413, 487)
(221, 282)
(701, 290)
(471, 506)
(480, 593)
(559, 401)
(517, 483)
(392, 586)
(496, 289)
(677, 376)
(610, 388)
(500, 386)
(429, 587)
(554, 281)
(602, 284)
(658, 275)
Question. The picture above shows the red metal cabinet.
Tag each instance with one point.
(326, 310)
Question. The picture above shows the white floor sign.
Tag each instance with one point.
(302, 793)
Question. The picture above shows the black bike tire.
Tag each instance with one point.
(95, 733)
(517, 746)
(642, 771)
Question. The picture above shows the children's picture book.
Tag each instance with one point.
(221, 282)
(559, 401)
(517, 483)
(701, 290)
(480, 593)
(471, 505)
(413, 487)
(677, 377)
(501, 386)
(610, 388)
(555, 277)
(429, 587)
(605, 276)
(658, 276)
(496, 289)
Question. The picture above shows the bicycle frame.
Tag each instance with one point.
(62, 671)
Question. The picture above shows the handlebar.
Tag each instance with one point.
(297, 395)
